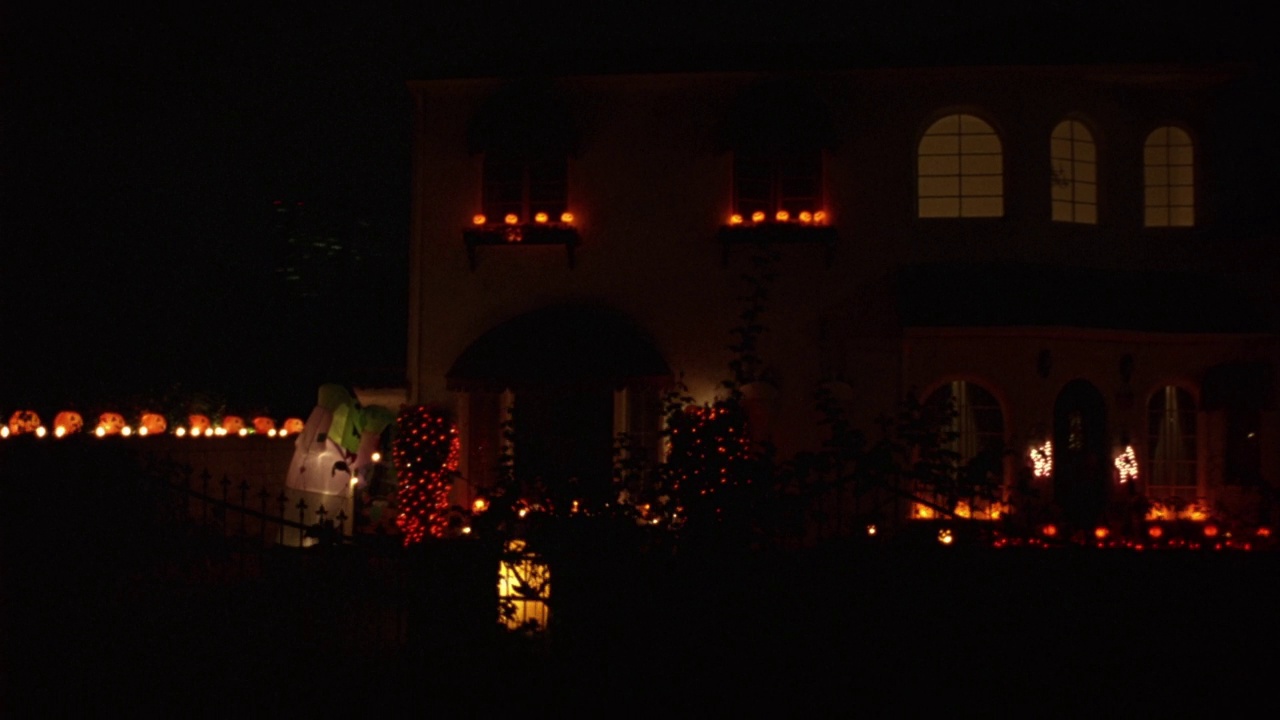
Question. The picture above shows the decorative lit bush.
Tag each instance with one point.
(425, 451)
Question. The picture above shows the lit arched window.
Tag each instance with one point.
(975, 426)
(1169, 178)
(1074, 187)
(960, 169)
(1172, 442)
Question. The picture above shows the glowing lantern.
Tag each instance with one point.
(540, 217)
(820, 217)
(511, 219)
(1210, 530)
(480, 505)
(735, 219)
(111, 423)
(100, 431)
(293, 425)
(263, 425)
(180, 432)
(945, 537)
(41, 432)
(783, 216)
(1101, 533)
(1127, 465)
(4, 431)
(126, 431)
(871, 529)
(1264, 532)
(1049, 530)
(232, 424)
(199, 424)
(757, 216)
(153, 423)
(479, 220)
(566, 217)
(67, 421)
(1042, 459)
(1155, 531)
(24, 421)
(806, 216)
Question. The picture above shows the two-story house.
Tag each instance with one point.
(1045, 247)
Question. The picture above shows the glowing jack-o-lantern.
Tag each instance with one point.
(154, 423)
(199, 424)
(1155, 531)
(24, 421)
(233, 424)
(293, 426)
(68, 421)
(263, 425)
(111, 423)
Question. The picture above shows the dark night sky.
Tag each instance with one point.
(142, 152)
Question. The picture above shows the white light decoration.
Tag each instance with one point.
(100, 431)
(208, 432)
(243, 432)
(4, 431)
(1127, 464)
(871, 529)
(377, 457)
(1042, 459)
(945, 537)
(180, 431)
(41, 432)
(142, 431)
(271, 432)
(59, 431)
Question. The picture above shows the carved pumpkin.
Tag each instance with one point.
(24, 421)
(233, 424)
(199, 424)
(293, 426)
(67, 422)
(111, 423)
(154, 423)
(263, 425)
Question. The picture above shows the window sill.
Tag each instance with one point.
(777, 233)
(521, 235)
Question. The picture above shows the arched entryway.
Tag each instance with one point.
(1081, 449)
(560, 368)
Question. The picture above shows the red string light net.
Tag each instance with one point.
(425, 452)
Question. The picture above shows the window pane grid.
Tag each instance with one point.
(960, 169)
(1169, 178)
(1073, 184)
(769, 183)
(1172, 441)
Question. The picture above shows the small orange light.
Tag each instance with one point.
(480, 505)
(1049, 530)
(783, 216)
(1264, 531)
(479, 219)
(757, 216)
(820, 216)
(735, 219)
(1155, 531)
(540, 217)
(1210, 530)
(566, 217)
(511, 219)
(1101, 533)
(806, 216)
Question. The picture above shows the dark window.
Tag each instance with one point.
(524, 188)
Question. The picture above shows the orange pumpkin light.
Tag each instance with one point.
(153, 423)
(757, 216)
(1155, 531)
(1210, 530)
(1101, 533)
(1264, 531)
(820, 216)
(735, 219)
(806, 216)
(511, 219)
(199, 424)
(232, 424)
(263, 425)
(1049, 530)
(293, 426)
(783, 216)
(111, 423)
(67, 422)
(540, 217)
(24, 421)
(478, 220)
(566, 217)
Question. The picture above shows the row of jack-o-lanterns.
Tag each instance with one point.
(69, 422)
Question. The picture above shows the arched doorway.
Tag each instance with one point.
(560, 368)
(1081, 463)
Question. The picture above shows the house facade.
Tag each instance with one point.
(1046, 248)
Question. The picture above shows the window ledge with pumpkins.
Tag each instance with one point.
(783, 228)
(510, 231)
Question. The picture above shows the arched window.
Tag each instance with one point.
(1172, 442)
(1074, 182)
(976, 426)
(960, 169)
(1169, 178)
